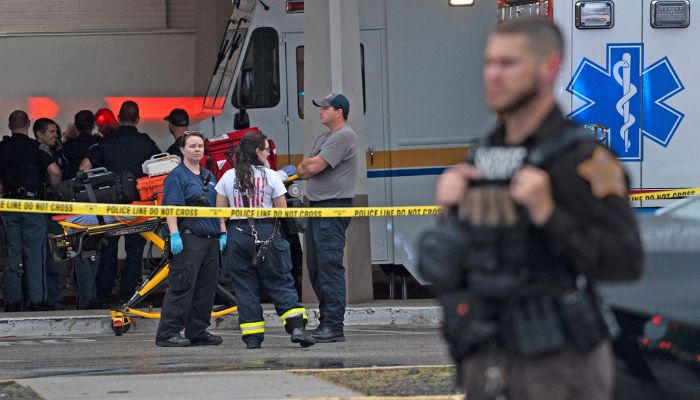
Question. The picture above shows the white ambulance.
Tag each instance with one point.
(423, 96)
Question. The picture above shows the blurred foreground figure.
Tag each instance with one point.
(531, 222)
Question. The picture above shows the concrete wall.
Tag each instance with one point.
(74, 53)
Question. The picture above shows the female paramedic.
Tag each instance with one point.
(195, 244)
(257, 256)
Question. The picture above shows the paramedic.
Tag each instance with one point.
(257, 257)
(195, 244)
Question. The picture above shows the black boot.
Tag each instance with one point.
(295, 326)
(253, 341)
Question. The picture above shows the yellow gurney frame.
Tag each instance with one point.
(146, 227)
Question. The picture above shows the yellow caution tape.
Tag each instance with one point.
(58, 207)
(61, 207)
(665, 194)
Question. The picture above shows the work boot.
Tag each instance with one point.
(295, 326)
(315, 330)
(207, 339)
(173, 341)
(39, 307)
(13, 307)
(253, 341)
(328, 335)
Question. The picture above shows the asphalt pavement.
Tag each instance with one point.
(83, 364)
(131, 366)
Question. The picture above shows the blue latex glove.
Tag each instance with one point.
(222, 241)
(289, 170)
(176, 243)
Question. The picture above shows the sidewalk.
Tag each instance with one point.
(268, 385)
(88, 322)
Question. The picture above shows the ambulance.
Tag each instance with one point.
(423, 99)
(627, 74)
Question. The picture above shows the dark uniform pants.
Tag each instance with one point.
(567, 375)
(273, 275)
(54, 295)
(131, 274)
(26, 233)
(192, 286)
(325, 242)
(84, 274)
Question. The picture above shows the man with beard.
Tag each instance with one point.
(542, 215)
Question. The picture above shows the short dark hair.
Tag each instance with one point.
(129, 112)
(84, 121)
(42, 124)
(543, 36)
(18, 120)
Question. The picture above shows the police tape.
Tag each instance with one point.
(665, 194)
(58, 207)
(138, 210)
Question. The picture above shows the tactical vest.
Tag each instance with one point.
(488, 264)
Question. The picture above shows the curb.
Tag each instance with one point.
(422, 397)
(95, 324)
(438, 397)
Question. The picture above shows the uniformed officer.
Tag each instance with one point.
(76, 149)
(541, 333)
(47, 133)
(178, 123)
(257, 256)
(106, 122)
(122, 152)
(195, 244)
(24, 170)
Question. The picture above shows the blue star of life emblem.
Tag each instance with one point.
(628, 99)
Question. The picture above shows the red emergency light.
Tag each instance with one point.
(293, 7)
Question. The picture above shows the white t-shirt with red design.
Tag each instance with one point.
(268, 185)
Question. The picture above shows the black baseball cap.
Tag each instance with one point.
(335, 100)
(178, 117)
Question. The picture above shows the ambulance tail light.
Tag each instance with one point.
(294, 7)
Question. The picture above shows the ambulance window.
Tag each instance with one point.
(258, 84)
(300, 79)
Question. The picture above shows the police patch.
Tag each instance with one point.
(604, 172)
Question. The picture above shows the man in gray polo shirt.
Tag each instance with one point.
(330, 169)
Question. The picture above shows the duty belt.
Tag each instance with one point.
(21, 193)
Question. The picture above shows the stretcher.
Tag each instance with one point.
(82, 233)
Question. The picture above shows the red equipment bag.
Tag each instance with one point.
(219, 152)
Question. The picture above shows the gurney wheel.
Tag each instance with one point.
(118, 330)
(120, 323)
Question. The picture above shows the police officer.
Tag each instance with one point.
(257, 256)
(178, 123)
(195, 244)
(76, 149)
(122, 152)
(47, 133)
(534, 247)
(24, 170)
(106, 122)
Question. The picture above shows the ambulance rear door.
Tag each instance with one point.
(671, 88)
